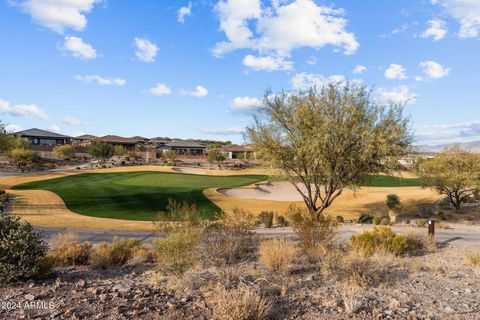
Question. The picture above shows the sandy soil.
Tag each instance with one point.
(189, 170)
(278, 196)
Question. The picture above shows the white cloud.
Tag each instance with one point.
(13, 128)
(22, 110)
(274, 31)
(437, 30)
(448, 131)
(245, 105)
(145, 50)
(467, 12)
(434, 70)
(78, 49)
(101, 80)
(199, 92)
(160, 89)
(266, 63)
(55, 128)
(224, 131)
(184, 12)
(59, 15)
(72, 121)
(397, 95)
(359, 69)
(304, 81)
(395, 71)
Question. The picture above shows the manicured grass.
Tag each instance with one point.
(136, 195)
(390, 181)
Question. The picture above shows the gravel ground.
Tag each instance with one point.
(441, 285)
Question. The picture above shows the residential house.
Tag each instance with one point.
(233, 151)
(183, 147)
(43, 137)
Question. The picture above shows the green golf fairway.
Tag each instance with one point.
(137, 195)
(391, 181)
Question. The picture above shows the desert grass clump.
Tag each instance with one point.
(114, 254)
(227, 244)
(474, 259)
(281, 221)
(242, 303)
(266, 218)
(176, 252)
(313, 231)
(381, 238)
(66, 249)
(277, 255)
(366, 271)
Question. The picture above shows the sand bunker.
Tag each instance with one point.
(189, 170)
(276, 191)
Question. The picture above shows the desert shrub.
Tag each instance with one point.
(365, 271)
(425, 209)
(277, 255)
(45, 265)
(313, 231)
(421, 223)
(339, 219)
(376, 220)
(381, 238)
(187, 214)
(113, 254)
(444, 203)
(474, 259)
(420, 242)
(281, 221)
(384, 221)
(242, 303)
(65, 152)
(21, 248)
(175, 253)
(225, 244)
(66, 249)
(365, 218)
(266, 218)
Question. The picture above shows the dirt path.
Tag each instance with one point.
(459, 235)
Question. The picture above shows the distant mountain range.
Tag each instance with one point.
(472, 146)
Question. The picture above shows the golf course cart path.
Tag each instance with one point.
(458, 235)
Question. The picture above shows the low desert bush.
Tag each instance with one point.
(474, 259)
(243, 303)
(277, 255)
(351, 297)
(182, 214)
(365, 218)
(381, 238)
(176, 252)
(266, 218)
(421, 223)
(113, 254)
(312, 231)
(281, 221)
(66, 249)
(425, 209)
(226, 244)
(340, 219)
(21, 248)
(365, 271)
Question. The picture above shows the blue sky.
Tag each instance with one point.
(197, 69)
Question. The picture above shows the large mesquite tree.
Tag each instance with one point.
(326, 140)
(454, 173)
